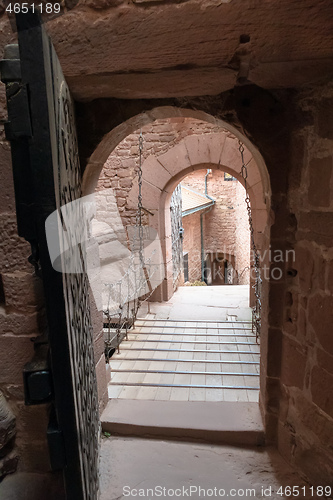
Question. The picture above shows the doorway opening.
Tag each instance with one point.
(215, 228)
(220, 343)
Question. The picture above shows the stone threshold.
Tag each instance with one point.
(232, 423)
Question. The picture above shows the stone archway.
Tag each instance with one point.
(162, 174)
(216, 150)
(115, 136)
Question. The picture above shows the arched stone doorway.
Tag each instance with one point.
(161, 175)
(219, 150)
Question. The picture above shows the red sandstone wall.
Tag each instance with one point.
(306, 408)
(21, 318)
(242, 236)
(192, 245)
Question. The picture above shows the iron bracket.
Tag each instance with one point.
(37, 380)
(55, 440)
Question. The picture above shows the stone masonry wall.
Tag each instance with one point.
(306, 410)
(21, 319)
(226, 225)
(192, 245)
(242, 236)
(120, 170)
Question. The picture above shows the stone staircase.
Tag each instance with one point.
(186, 379)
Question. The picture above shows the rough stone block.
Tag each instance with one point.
(23, 291)
(329, 274)
(297, 154)
(310, 420)
(304, 265)
(34, 455)
(231, 157)
(32, 421)
(325, 118)
(286, 441)
(14, 353)
(176, 156)
(320, 316)
(205, 148)
(281, 218)
(260, 219)
(325, 360)
(271, 425)
(150, 195)
(155, 173)
(257, 194)
(253, 173)
(293, 363)
(272, 396)
(320, 179)
(319, 271)
(316, 226)
(22, 324)
(7, 197)
(322, 389)
(14, 251)
(276, 304)
(274, 352)
(301, 323)
(13, 392)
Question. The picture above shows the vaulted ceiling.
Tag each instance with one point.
(143, 48)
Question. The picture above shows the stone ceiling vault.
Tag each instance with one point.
(128, 49)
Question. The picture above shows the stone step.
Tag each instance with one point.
(213, 422)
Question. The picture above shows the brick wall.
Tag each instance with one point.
(120, 170)
(120, 173)
(226, 232)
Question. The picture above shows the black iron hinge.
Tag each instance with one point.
(19, 132)
(19, 121)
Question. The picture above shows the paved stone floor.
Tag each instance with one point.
(196, 347)
(131, 466)
(204, 303)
